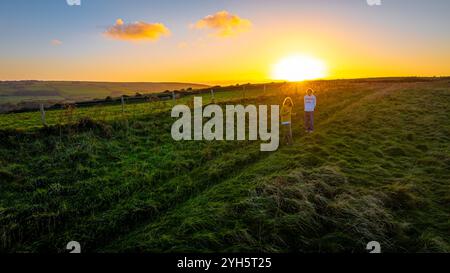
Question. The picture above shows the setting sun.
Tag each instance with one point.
(299, 68)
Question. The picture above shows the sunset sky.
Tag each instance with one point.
(220, 41)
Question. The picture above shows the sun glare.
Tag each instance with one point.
(299, 68)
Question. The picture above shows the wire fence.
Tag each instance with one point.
(132, 108)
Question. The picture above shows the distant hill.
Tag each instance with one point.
(14, 93)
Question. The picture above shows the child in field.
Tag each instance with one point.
(310, 105)
(286, 120)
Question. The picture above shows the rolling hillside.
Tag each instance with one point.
(376, 168)
(23, 92)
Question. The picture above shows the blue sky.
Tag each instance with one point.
(404, 29)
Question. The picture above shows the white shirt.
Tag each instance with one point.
(310, 103)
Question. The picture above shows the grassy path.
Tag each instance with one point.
(187, 227)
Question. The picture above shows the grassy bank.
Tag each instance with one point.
(377, 168)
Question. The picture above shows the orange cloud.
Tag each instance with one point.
(56, 42)
(137, 31)
(224, 23)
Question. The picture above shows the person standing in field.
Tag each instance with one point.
(310, 106)
(286, 120)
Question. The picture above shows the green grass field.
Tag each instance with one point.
(377, 168)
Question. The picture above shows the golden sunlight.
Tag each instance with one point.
(299, 68)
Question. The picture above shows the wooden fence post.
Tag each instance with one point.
(122, 100)
(212, 96)
(43, 115)
(174, 97)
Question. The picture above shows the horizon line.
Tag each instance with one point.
(231, 82)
